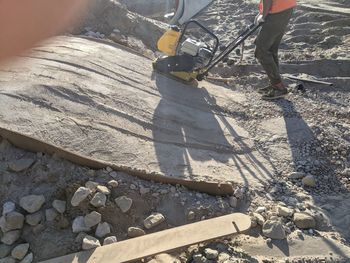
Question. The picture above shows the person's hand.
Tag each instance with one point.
(259, 19)
(25, 23)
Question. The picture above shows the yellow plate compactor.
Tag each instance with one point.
(191, 52)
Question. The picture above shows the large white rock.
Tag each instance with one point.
(80, 194)
(103, 189)
(34, 219)
(92, 219)
(79, 225)
(14, 220)
(8, 207)
(102, 230)
(27, 259)
(11, 237)
(304, 221)
(135, 232)
(284, 211)
(273, 229)
(124, 203)
(20, 251)
(59, 205)
(98, 200)
(32, 203)
(109, 240)
(153, 220)
(90, 242)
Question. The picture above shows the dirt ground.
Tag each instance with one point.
(308, 132)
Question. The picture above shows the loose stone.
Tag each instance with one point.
(103, 189)
(274, 230)
(113, 183)
(135, 232)
(59, 205)
(98, 200)
(90, 242)
(153, 220)
(21, 165)
(109, 240)
(79, 225)
(304, 221)
(28, 258)
(20, 251)
(80, 194)
(11, 237)
(51, 214)
(102, 230)
(211, 253)
(32, 203)
(92, 219)
(34, 219)
(8, 207)
(124, 203)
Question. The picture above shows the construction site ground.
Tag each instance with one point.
(169, 146)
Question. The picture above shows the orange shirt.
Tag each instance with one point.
(279, 6)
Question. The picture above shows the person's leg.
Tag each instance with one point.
(267, 44)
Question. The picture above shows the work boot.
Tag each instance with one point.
(265, 89)
(275, 93)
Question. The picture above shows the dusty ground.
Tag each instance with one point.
(308, 132)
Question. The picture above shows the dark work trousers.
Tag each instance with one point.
(268, 41)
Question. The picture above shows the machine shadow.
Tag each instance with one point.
(191, 137)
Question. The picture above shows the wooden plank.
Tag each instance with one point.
(163, 241)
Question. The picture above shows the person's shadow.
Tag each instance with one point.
(308, 158)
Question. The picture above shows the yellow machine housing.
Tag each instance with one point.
(168, 42)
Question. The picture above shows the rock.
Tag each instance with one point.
(164, 258)
(211, 253)
(153, 220)
(4, 250)
(118, 37)
(34, 219)
(309, 180)
(304, 221)
(90, 242)
(103, 189)
(11, 237)
(92, 219)
(224, 257)
(191, 216)
(296, 175)
(80, 194)
(144, 190)
(109, 240)
(28, 258)
(98, 200)
(51, 214)
(113, 183)
(346, 172)
(124, 203)
(20, 251)
(14, 220)
(199, 258)
(21, 164)
(8, 207)
(79, 238)
(79, 225)
(284, 211)
(239, 193)
(8, 260)
(133, 187)
(260, 209)
(233, 201)
(259, 219)
(135, 232)
(59, 205)
(91, 185)
(102, 230)
(32, 203)
(274, 230)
